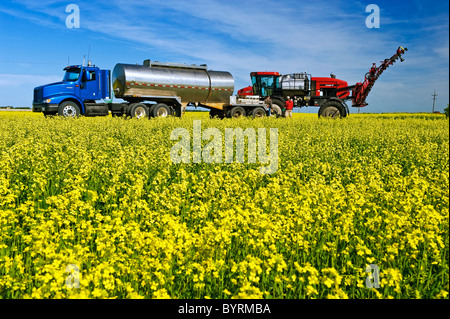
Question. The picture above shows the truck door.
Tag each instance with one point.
(89, 85)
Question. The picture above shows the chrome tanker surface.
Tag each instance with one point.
(190, 83)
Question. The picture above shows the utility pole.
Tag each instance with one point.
(434, 98)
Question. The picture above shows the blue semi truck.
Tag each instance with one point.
(153, 89)
(77, 93)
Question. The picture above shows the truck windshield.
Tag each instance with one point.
(72, 75)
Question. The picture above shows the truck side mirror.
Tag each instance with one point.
(85, 76)
(83, 79)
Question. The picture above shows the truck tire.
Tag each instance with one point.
(332, 109)
(213, 114)
(276, 111)
(69, 109)
(138, 110)
(151, 108)
(237, 111)
(161, 110)
(280, 104)
(216, 113)
(258, 112)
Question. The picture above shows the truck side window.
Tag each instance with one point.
(88, 76)
(91, 76)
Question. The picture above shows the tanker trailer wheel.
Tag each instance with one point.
(332, 109)
(161, 110)
(138, 110)
(216, 113)
(69, 109)
(258, 112)
(213, 114)
(237, 111)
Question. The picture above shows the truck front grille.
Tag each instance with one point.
(37, 96)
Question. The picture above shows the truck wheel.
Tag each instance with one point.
(216, 113)
(280, 104)
(151, 109)
(138, 110)
(213, 114)
(68, 109)
(276, 111)
(258, 112)
(237, 111)
(161, 110)
(332, 109)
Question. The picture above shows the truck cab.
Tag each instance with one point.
(77, 93)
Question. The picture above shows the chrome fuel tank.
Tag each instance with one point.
(191, 83)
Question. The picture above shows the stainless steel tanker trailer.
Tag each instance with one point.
(153, 89)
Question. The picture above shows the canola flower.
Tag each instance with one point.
(102, 194)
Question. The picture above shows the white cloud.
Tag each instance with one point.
(15, 80)
(35, 18)
(17, 89)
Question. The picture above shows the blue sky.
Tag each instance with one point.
(287, 36)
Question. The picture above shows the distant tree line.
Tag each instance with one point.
(15, 107)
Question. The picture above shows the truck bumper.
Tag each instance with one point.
(45, 107)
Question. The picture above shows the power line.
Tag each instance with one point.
(434, 98)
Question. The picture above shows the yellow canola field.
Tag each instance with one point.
(98, 202)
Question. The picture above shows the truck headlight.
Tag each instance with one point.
(47, 100)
